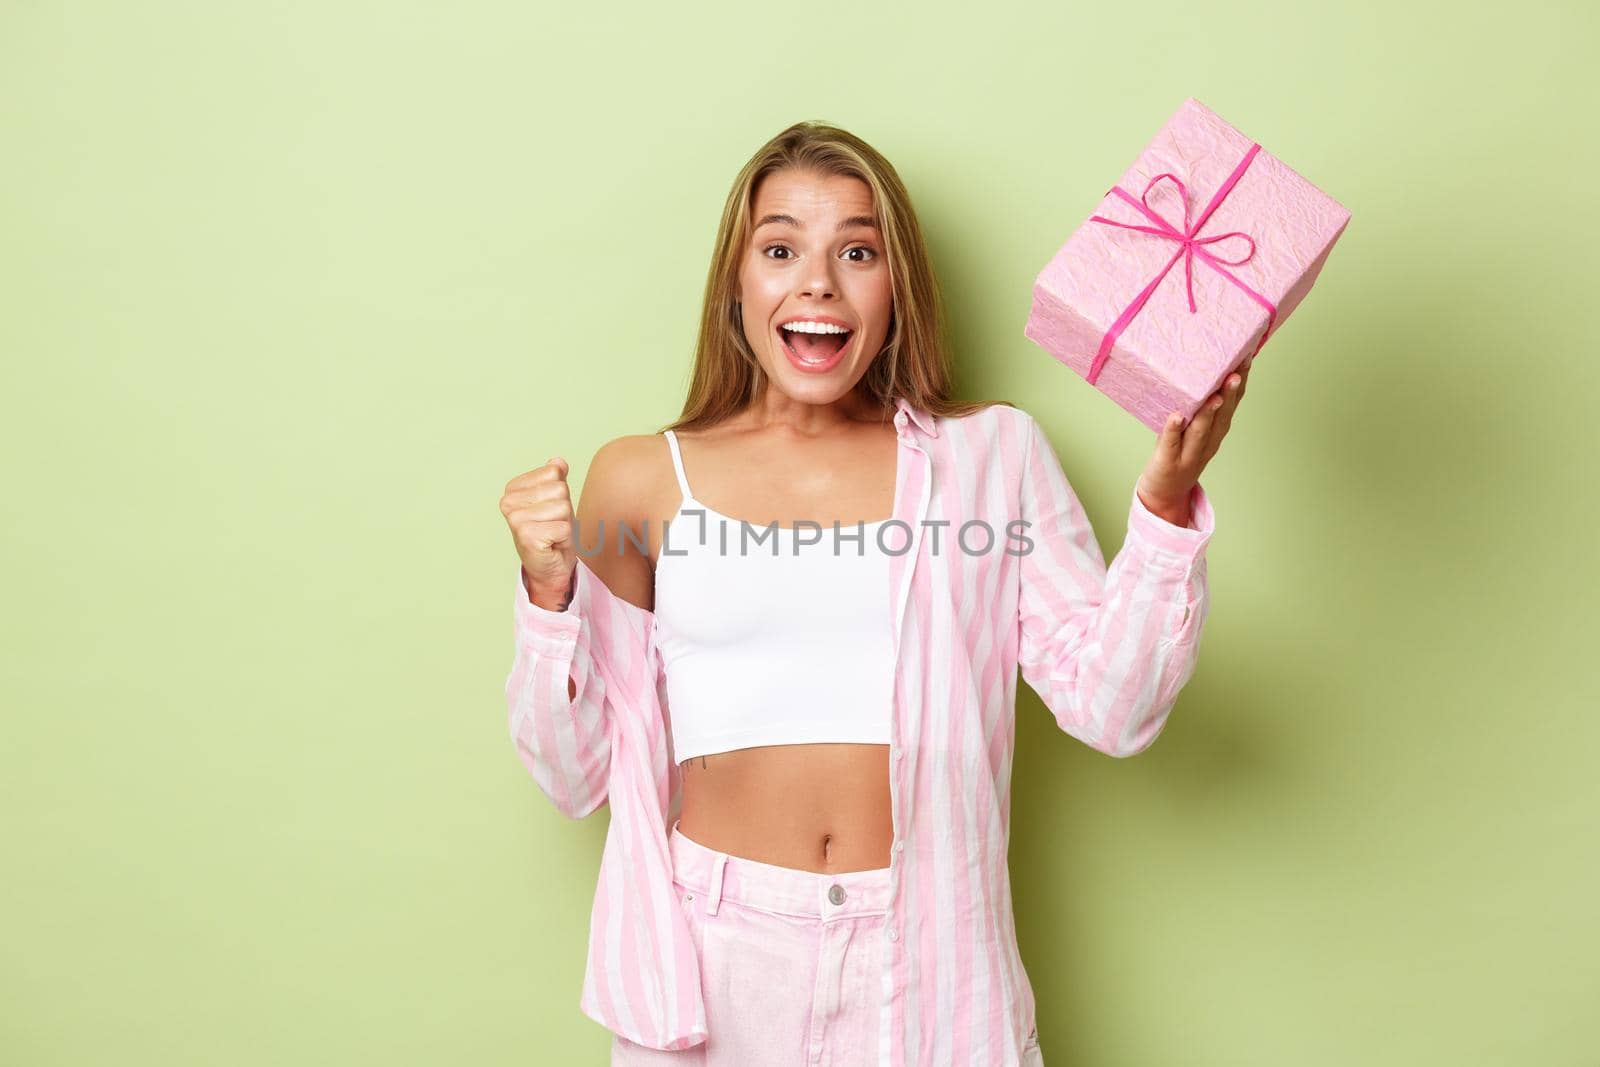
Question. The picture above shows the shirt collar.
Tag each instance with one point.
(925, 422)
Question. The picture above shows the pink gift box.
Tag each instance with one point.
(1192, 261)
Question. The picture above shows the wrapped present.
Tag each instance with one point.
(1199, 253)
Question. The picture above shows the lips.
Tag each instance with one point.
(814, 353)
(814, 347)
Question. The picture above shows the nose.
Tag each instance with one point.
(818, 284)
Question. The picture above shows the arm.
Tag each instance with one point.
(557, 698)
(1107, 650)
(577, 666)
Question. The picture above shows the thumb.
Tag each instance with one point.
(561, 462)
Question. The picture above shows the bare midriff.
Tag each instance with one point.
(814, 807)
(820, 807)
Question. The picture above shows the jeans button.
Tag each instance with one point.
(836, 893)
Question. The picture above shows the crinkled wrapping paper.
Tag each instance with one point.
(1167, 358)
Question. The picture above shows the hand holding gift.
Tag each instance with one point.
(1182, 452)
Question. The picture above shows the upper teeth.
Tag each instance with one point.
(814, 327)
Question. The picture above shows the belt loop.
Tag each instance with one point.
(714, 891)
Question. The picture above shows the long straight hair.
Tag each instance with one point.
(914, 363)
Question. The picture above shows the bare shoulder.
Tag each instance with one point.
(623, 471)
(623, 486)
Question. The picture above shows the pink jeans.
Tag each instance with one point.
(791, 962)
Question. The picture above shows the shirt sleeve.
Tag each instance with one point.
(563, 739)
(1107, 649)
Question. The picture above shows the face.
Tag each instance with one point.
(815, 254)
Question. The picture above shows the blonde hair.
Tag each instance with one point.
(914, 362)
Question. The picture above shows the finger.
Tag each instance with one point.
(552, 471)
(549, 539)
(1195, 437)
(540, 511)
(1232, 392)
(535, 492)
(1231, 388)
(1170, 440)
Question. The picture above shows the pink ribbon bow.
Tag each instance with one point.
(1189, 246)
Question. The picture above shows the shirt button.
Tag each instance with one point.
(894, 935)
(836, 893)
(899, 846)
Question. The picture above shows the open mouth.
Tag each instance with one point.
(808, 345)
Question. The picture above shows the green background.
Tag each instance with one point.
(292, 290)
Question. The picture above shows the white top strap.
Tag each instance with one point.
(677, 464)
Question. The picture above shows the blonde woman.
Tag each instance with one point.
(782, 637)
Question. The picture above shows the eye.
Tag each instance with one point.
(871, 253)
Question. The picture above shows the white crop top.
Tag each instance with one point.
(764, 646)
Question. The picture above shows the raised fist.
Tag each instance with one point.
(538, 508)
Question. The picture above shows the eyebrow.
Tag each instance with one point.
(844, 224)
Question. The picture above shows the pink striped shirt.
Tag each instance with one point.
(1107, 649)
